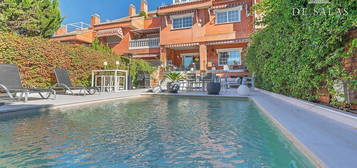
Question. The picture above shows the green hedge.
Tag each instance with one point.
(37, 57)
(298, 54)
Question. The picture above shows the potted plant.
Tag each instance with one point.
(173, 86)
(214, 87)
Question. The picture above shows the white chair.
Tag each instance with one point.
(249, 81)
(234, 82)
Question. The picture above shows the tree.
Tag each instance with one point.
(97, 45)
(30, 17)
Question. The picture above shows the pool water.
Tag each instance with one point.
(148, 132)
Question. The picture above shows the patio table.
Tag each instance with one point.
(109, 82)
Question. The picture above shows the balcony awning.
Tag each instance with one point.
(148, 30)
(232, 5)
(185, 45)
(110, 32)
(242, 40)
(146, 56)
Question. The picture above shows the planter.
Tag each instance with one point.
(213, 88)
(243, 90)
(173, 87)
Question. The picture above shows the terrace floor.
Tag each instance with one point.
(66, 101)
(326, 135)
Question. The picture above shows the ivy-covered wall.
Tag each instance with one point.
(37, 57)
(301, 49)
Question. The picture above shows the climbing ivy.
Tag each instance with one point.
(37, 57)
(301, 47)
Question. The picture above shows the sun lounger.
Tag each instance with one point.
(10, 83)
(64, 82)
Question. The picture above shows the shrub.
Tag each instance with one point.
(297, 55)
(37, 57)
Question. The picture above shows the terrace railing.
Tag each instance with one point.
(144, 43)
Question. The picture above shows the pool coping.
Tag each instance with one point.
(33, 106)
(316, 161)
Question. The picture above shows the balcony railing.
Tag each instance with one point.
(144, 43)
(182, 1)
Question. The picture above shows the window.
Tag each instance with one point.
(228, 15)
(180, 22)
(229, 57)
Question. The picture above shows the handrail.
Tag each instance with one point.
(144, 43)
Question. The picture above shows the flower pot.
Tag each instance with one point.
(243, 90)
(173, 87)
(213, 88)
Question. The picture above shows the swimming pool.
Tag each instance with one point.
(147, 132)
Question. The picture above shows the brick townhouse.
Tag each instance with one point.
(203, 33)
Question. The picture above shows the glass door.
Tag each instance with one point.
(190, 60)
(187, 62)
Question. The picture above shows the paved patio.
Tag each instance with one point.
(66, 101)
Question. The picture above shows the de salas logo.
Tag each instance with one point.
(320, 11)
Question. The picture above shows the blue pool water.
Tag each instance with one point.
(148, 132)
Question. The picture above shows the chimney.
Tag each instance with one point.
(61, 30)
(94, 19)
(132, 10)
(144, 6)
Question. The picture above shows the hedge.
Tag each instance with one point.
(37, 57)
(300, 54)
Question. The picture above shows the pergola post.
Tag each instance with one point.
(163, 55)
(203, 57)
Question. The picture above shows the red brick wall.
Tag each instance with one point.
(206, 30)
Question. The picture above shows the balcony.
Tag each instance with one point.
(144, 43)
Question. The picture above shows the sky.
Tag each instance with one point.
(81, 10)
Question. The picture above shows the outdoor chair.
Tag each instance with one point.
(10, 83)
(249, 81)
(208, 77)
(64, 82)
(234, 82)
(193, 82)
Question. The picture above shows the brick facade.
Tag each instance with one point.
(203, 38)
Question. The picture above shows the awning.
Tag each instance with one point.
(181, 45)
(182, 12)
(148, 30)
(146, 56)
(110, 32)
(242, 40)
(232, 5)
